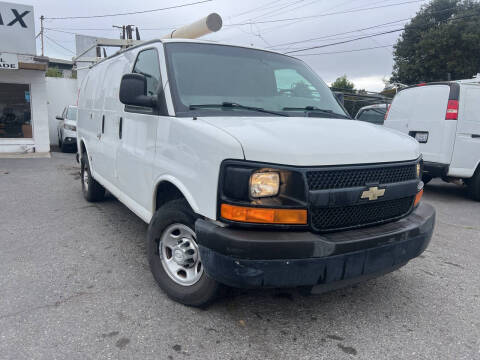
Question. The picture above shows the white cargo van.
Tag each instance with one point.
(444, 118)
(247, 169)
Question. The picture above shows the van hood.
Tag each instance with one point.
(309, 141)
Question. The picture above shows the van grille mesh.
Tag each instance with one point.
(354, 177)
(335, 218)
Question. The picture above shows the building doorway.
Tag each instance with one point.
(15, 111)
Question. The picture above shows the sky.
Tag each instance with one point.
(259, 23)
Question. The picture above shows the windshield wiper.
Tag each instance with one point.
(314, 109)
(235, 106)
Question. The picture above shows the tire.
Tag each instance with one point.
(474, 185)
(92, 190)
(426, 178)
(170, 230)
(63, 147)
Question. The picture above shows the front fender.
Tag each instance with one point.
(180, 186)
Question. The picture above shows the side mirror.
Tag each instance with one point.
(133, 91)
(58, 117)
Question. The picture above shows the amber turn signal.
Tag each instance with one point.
(418, 197)
(263, 215)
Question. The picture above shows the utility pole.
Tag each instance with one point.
(41, 32)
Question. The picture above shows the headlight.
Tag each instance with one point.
(419, 170)
(70, 127)
(264, 184)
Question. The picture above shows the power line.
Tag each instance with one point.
(56, 43)
(283, 26)
(277, 9)
(342, 33)
(325, 14)
(345, 41)
(347, 51)
(127, 13)
(324, 41)
(370, 36)
(359, 30)
(267, 5)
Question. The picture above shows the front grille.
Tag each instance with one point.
(352, 177)
(336, 218)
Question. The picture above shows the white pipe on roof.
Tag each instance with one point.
(207, 25)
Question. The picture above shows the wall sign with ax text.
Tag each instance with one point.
(17, 29)
(8, 61)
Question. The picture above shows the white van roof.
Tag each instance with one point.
(196, 41)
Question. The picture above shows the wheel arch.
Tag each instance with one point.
(82, 148)
(169, 188)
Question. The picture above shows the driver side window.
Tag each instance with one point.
(148, 64)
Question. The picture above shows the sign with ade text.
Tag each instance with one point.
(8, 61)
(17, 29)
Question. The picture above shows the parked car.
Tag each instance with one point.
(444, 118)
(374, 114)
(67, 128)
(247, 170)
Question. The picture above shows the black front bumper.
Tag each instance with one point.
(70, 141)
(435, 169)
(253, 258)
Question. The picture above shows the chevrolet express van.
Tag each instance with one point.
(247, 170)
(444, 118)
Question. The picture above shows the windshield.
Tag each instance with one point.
(72, 114)
(205, 77)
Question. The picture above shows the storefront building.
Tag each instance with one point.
(23, 96)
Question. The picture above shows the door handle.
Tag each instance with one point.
(120, 128)
(103, 124)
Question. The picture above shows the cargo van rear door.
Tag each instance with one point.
(466, 154)
(421, 112)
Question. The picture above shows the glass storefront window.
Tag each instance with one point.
(15, 113)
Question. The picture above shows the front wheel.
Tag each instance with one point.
(92, 190)
(174, 256)
(474, 185)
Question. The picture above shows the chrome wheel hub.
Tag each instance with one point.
(179, 255)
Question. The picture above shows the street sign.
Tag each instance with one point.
(8, 61)
(17, 29)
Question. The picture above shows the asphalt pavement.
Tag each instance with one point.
(75, 284)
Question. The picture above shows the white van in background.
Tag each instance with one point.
(444, 118)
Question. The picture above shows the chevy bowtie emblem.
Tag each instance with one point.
(373, 193)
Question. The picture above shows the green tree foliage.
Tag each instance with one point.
(53, 72)
(345, 86)
(342, 83)
(442, 39)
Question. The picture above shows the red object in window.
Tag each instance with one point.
(422, 84)
(388, 109)
(452, 110)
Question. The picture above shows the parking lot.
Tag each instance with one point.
(75, 283)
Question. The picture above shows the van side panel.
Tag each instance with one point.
(466, 154)
(422, 109)
(87, 126)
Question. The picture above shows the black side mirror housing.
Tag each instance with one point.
(58, 117)
(133, 91)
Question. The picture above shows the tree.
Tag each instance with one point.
(53, 72)
(342, 83)
(442, 41)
